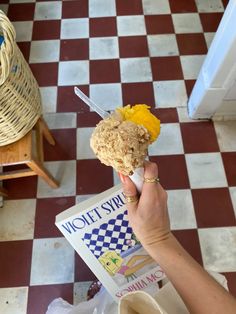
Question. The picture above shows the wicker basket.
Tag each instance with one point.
(20, 103)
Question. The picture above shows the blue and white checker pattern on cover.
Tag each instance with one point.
(110, 236)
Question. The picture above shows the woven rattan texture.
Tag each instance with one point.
(20, 103)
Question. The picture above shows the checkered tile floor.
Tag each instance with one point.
(118, 52)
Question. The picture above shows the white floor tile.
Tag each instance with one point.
(23, 30)
(156, 7)
(4, 8)
(49, 98)
(17, 220)
(50, 10)
(42, 51)
(218, 246)
(80, 291)
(187, 23)
(135, 70)
(83, 144)
(208, 38)
(107, 96)
(103, 48)
(162, 45)
(209, 6)
(232, 191)
(206, 170)
(183, 115)
(191, 66)
(65, 173)
(61, 120)
(14, 300)
(73, 73)
(169, 141)
(170, 94)
(226, 135)
(100, 8)
(131, 25)
(181, 210)
(81, 198)
(52, 262)
(75, 28)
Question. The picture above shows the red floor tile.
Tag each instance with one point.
(124, 7)
(25, 49)
(15, 263)
(39, 297)
(82, 271)
(225, 3)
(87, 119)
(74, 49)
(46, 211)
(101, 27)
(133, 46)
(213, 207)
(182, 6)
(191, 44)
(166, 68)
(21, 188)
(74, 9)
(138, 93)
(65, 148)
(67, 101)
(21, 11)
(172, 171)
(4, 1)
(231, 278)
(159, 24)
(199, 137)
(189, 86)
(166, 115)
(210, 21)
(229, 160)
(44, 30)
(190, 241)
(93, 177)
(45, 73)
(104, 71)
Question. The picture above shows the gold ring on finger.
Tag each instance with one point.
(131, 199)
(152, 180)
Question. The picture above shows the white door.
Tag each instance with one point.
(217, 79)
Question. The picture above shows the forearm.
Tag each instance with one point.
(199, 291)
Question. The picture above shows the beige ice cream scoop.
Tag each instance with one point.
(122, 140)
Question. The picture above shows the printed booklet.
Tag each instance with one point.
(99, 231)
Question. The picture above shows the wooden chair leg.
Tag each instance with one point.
(46, 132)
(39, 142)
(43, 172)
(3, 192)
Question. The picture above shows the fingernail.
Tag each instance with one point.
(122, 177)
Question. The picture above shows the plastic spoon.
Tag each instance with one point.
(102, 113)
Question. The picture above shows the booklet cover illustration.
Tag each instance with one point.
(99, 231)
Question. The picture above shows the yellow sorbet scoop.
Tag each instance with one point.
(141, 115)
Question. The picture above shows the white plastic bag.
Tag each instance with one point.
(102, 303)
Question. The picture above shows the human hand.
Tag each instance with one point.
(149, 215)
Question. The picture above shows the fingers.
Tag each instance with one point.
(150, 172)
(129, 190)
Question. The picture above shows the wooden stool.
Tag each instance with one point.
(26, 151)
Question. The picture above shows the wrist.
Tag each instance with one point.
(167, 243)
